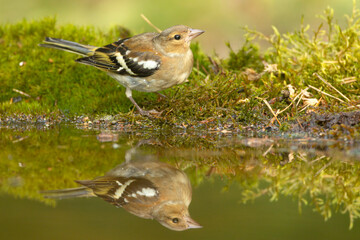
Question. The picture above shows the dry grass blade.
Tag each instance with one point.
(329, 95)
(304, 108)
(324, 167)
(299, 123)
(355, 106)
(20, 139)
(150, 23)
(300, 97)
(293, 100)
(21, 92)
(348, 80)
(328, 84)
(268, 150)
(271, 110)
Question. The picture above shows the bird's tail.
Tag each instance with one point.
(85, 50)
(68, 193)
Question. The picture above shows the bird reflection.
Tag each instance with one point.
(146, 188)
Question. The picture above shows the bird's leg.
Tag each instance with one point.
(142, 112)
(129, 96)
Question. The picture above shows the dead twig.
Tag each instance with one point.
(331, 86)
(150, 23)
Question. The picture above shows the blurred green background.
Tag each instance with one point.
(222, 19)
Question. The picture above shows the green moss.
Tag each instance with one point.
(248, 56)
(51, 77)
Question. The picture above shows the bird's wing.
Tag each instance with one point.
(132, 56)
(120, 191)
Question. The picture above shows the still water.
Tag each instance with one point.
(243, 186)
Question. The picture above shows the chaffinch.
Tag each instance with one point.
(148, 62)
(147, 189)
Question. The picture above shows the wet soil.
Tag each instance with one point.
(335, 125)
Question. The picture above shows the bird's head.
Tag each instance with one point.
(175, 216)
(177, 39)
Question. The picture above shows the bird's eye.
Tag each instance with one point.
(175, 220)
(177, 37)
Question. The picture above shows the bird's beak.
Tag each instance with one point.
(194, 33)
(191, 223)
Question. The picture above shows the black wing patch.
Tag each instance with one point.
(119, 59)
(120, 191)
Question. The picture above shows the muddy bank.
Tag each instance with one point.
(331, 125)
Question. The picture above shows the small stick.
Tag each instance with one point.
(275, 115)
(21, 92)
(150, 23)
(327, 83)
(325, 93)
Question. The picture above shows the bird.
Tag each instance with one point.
(148, 62)
(149, 189)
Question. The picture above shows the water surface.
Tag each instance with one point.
(244, 186)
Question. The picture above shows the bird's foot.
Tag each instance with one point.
(150, 113)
